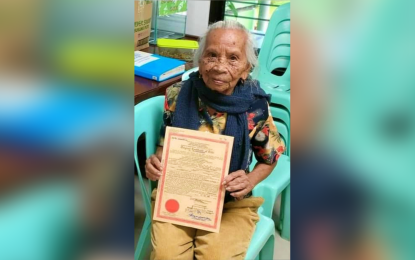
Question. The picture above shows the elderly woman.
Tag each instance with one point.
(221, 98)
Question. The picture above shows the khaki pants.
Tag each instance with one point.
(174, 242)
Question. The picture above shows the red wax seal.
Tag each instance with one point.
(172, 205)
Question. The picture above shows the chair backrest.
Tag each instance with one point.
(148, 118)
(279, 98)
(277, 41)
(185, 75)
(281, 113)
(275, 50)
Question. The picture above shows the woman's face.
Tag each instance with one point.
(224, 60)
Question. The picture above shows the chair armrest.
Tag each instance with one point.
(273, 185)
(264, 230)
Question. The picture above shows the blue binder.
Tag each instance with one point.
(156, 67)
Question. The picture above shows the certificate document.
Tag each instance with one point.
(190, 191)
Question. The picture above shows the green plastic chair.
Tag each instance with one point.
(275, 51)
(285, 214)
(280, 105)
(273, 185)
(148, 118)
(278, 180)
(280, 113)
(276, 183)
(284, 220)
(284, 223)
(185, 75)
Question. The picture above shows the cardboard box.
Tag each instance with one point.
(142, 23)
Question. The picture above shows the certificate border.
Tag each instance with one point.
(214, 226)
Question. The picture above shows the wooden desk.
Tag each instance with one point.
(147, 88)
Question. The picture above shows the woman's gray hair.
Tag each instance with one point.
(228, 24)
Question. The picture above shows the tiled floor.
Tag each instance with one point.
(281, 249)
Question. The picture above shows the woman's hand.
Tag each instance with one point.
(238, 184)
(153, 165)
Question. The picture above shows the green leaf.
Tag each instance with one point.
(232, 7)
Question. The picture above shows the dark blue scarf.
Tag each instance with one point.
(236, 105)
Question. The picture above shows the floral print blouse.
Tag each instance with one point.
(266, 143)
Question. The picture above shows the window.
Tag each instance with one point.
(168, 19)
(254, 15)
